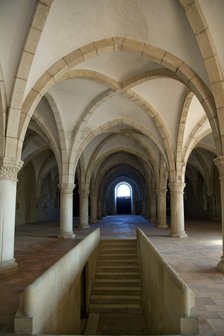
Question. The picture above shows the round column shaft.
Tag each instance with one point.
(66, 210)
(152, 207)
(220, 164)
(161, 208)
(84, 209)
(93, 208)
(177, 209)
(8, 184)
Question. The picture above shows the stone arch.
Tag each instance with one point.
(131, 151)
(182, 123)
(203, 36)
(54, 108)
(157, 55)
(15, 115)
(34, 154)
(106, 128)
(103, 180)
(193, 141)
(52, 143)
(143, 104)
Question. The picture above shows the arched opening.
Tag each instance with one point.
(123, 198)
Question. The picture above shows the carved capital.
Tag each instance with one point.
(177, 187)
(66, 188)
(84, 193)
(9, 169)
(84, 190)
(219, 162)
(161, 191)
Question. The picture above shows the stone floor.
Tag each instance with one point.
(194, 258)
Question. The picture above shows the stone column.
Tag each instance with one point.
(177, 209)
(100, 208)
(93, 200)
(161, 208)
(220, 164)
(152, 207)
(8, 183)
(66, 210)
(84, 208)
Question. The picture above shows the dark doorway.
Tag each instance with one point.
(123, 205)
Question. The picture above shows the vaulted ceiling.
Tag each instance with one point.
(112, 76)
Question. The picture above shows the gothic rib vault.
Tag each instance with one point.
(95, 92)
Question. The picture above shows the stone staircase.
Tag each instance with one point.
(116, 302)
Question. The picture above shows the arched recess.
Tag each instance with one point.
(108, 128)
(115, 174)
(26, 198)
(124, 203)
(195, 194)
(98, 165)
(202, 194)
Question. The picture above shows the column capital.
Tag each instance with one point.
(84, 193)
(161, 191)
(219, 162)
(177, 187)
(66, 188)
(9, 168)
(84, 190)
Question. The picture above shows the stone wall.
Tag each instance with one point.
(51, 304)
(168, 302)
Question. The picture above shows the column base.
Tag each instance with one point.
(162, 226)
(84, 226)
(67, 235)
(8, 268)
(220, 265)
(179, 235)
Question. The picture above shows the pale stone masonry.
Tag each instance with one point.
(94, 93)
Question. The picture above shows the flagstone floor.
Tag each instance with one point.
(194, 258)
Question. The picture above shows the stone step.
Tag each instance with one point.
(121, 248)
(117, 256)
(118, 263)
(121, 324)
(118, 299)
(116, 308)
(117, 269)
(116, 290)
(118, 247)
(117, 283)
(118, 242)
(113, 275)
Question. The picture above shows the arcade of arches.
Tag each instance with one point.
(97, 93)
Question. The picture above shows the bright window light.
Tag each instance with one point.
(123, 191)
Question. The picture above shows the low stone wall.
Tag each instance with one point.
(168, 301)
(51, 304)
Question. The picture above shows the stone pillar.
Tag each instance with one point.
(161, 208)
(84, 208)
(8, 183)
(66, 210)
(93, 200)
(220, 164)
(100, 208)
(152, 207)
(177, 209)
